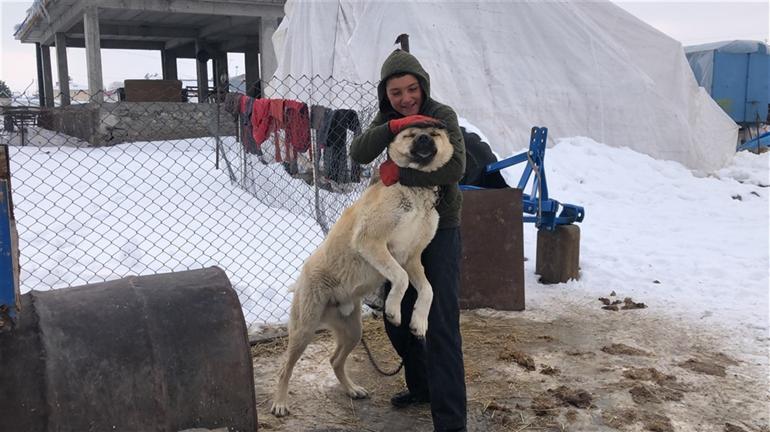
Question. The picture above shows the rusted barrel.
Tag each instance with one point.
(165, 352)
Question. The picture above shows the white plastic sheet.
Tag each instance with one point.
(581, 68)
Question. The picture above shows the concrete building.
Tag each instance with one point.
(205, 30)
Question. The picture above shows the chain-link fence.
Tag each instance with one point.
(142, 182)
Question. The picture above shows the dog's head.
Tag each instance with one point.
(421, 147)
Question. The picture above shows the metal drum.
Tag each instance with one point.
(165, 352)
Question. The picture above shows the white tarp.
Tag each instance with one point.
(581, 68)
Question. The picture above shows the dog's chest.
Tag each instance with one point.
(415, 202)
(417, 221)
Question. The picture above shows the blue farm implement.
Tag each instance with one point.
(545, 212)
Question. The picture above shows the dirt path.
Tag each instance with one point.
(588, 370)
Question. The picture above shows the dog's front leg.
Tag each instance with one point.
(378, 256)
(419, 324)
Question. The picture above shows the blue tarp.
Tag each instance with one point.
(737, 76)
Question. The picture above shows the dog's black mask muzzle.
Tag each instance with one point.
(423, 149)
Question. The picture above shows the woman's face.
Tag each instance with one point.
(404, 94)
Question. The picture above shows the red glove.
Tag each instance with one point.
(398, 125)
(389, 173)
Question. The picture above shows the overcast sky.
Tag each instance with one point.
(690, 22)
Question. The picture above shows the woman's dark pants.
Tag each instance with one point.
(435, 366)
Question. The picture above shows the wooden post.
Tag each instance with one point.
(558, 254)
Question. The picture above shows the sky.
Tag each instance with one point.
(690, 22)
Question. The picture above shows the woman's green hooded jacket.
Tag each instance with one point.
(370, 144)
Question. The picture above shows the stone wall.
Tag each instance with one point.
(75, 120)
(117, 122)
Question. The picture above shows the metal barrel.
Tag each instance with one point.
(166, 352)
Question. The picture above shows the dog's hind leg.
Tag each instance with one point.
(347, 332)
(419, 324)
(305, 319)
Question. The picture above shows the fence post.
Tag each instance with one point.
(9, 276)
(218, 131)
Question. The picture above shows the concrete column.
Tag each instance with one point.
(61, 66)
(168, 58)
(251, 58)
(93, 54)
(221, 72)
(40, 86)
(202, 72)
(45, 55)
(268, 59)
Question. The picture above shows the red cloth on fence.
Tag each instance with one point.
(274, 115)
(261, 121)
(276, 112)
(297, 125)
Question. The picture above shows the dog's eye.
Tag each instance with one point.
(434, 134)
(409, 135)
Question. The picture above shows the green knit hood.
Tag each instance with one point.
(399, 62)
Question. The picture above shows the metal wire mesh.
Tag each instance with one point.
(106, 188)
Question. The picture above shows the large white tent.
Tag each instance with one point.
(581, 68)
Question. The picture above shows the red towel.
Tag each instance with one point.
(260, 120)
(297, 125)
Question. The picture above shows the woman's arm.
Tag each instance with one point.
(370, 144)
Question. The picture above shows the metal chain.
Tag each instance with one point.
(374, 362)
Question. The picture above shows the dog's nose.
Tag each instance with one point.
(424, 147)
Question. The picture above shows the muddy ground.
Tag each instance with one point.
(588, 370)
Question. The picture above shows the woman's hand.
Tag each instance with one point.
(398, 125)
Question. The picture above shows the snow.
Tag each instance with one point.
(694, 247)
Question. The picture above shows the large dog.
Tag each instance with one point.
(380, 236)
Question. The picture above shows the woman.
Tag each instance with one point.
(433, 369)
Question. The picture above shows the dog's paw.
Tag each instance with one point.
(393, 313)
(279, 409)
(357, 392)
(418, 327)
